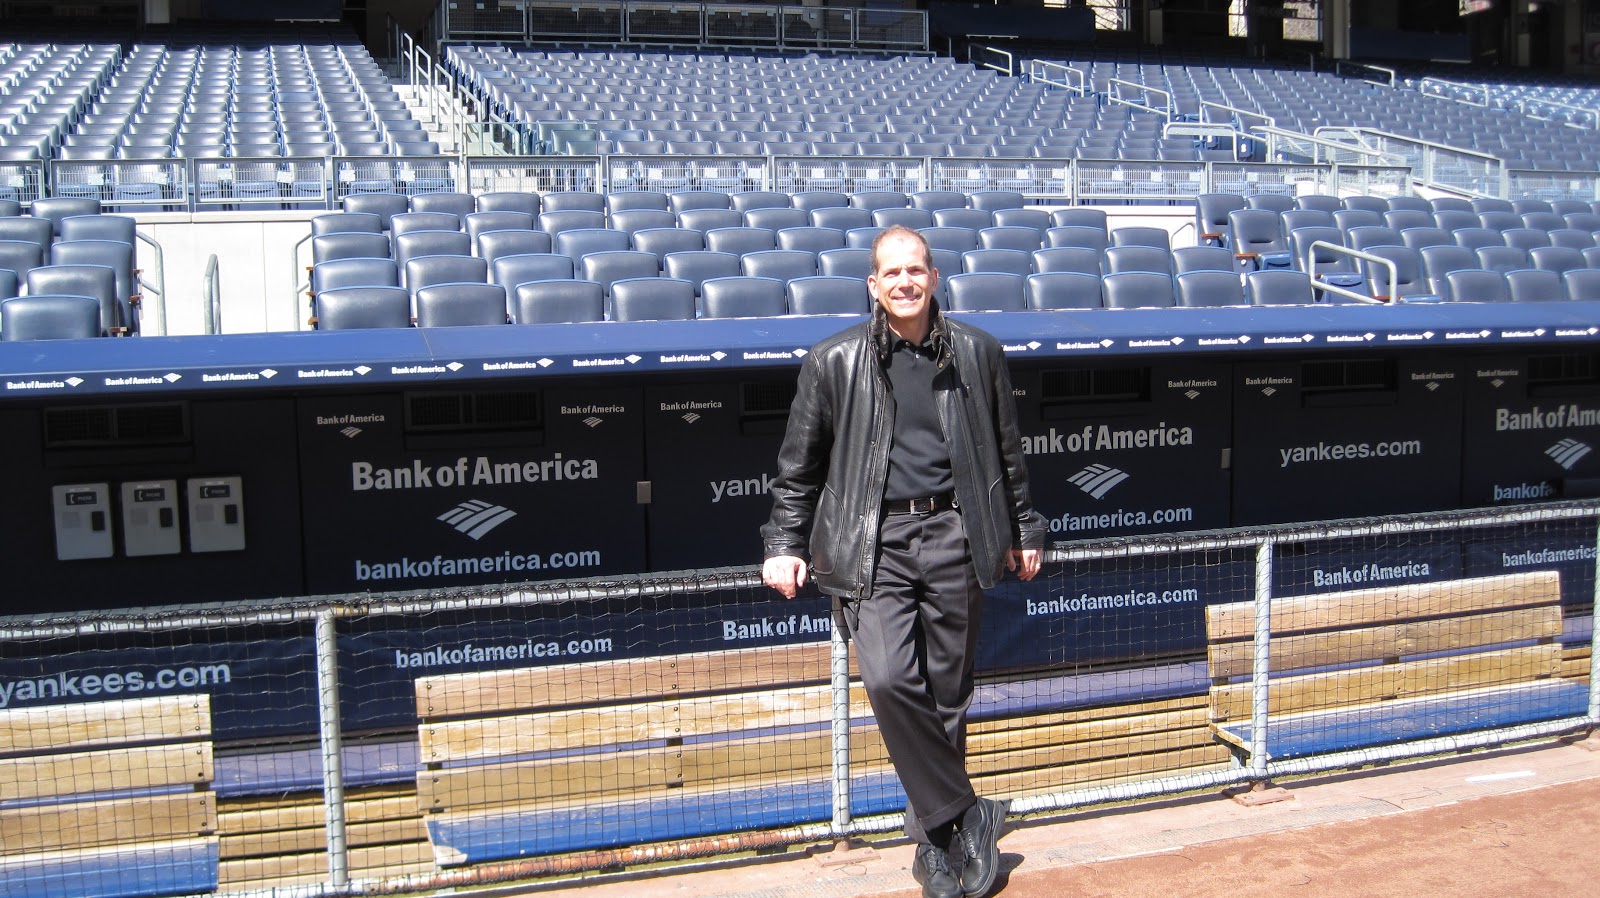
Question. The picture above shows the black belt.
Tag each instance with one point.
(920, 506)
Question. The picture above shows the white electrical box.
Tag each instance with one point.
(83, 520)
(150, 518)
(216, 514)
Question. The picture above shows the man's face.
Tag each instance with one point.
(902, 283)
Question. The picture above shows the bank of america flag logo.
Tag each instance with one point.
(1097, 480)
(476, 517)
(1567, 452)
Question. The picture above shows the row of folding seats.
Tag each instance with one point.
(66, 246)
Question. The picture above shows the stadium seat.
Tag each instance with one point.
(458, 204)
(1211, 217)
(970, 219)
(810, 239)
(580, 242)
(1475, 238)
(905, 217)
(631, 221)
(1439, 261)
(747, 296)
(407, 222)
(1063, 290)
(559, 301)
(1278, 287)
(573, 201)
(1079, 259)
(851, 262)
(1535, 285)
(98, 282)
(383, 205)
(684, 200)
(460, 305)
(351, 308)
(651, 299)
(1476, 285)
(748, 200)
(629, 200)
(1017, 237)
(1078, 235)
(1201, 258)
(987, 291)
(995, 200)
(1209, 288)
(708, 219)
(346, 223)
(339, 273)
(1368, 236)
(1582, 284)
(873, 200)
(1502, 258)
(510, 271)
(1257, 239)
(510, 201)
(114, 254)
(828, 295)
(491, 245)
(607, 267)
(49, 317)
(1137, 290)
(1408, 276)
(1118, 259)
(780, 264)
(1559, 259)
(21, 256)
(60, 208)
(811, 200)
(935, 200)
(476, 223)
(740, 240)
(555, 221)
(1572, 237)
(28, 229)
(425, 271)
(1525, 238)
(1013, 261)
(661, 241)
(952, 238)
(1420, 237)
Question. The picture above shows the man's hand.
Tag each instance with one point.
(787, 573)
(1024, 561)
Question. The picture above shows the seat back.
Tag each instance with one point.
(28, 229)
(1278, 288)
(1137, 289)
(1502, 258)
(21, 256)
(1211, 211)
(458, 204)
(1209, 288)
(511, 201)
(740, 240)
(744, 296)
(1535, 285)
(828, 295)
(1476, 285)
(352, 308)
(650, 299)
(49, 316)
(852, 262)
(114, 254)
(606, 268)
(1200, 258)
(426, 271)
(557, 301)
(1559, 259)
(510, 271)
(781, 264)
(987, 291)
(1438, 261)
(59, 208)
(492, 245)
(1143, 236)
(1017, 237)
(1582, 284)
(758, 199)
(810, 239)
(1063, 290)
(1408, 277)
(459, 305)
(406, 222)
(478, 223)
(580, 242)
(1118, 259)
(383, 205)
(574, 201)
(1011, 261)
(338, 273)
(346, 223)
(631, 221)
(1083, 260)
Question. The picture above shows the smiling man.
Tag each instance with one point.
(903, 493)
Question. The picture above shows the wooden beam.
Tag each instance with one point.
(98, 824)
(112, 770)
(58, 728)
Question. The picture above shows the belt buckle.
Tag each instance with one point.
(922, 506)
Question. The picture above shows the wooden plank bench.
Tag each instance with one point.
(537, 761)
(108, 799)
(1392, 664)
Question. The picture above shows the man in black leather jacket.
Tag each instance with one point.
(902, 490)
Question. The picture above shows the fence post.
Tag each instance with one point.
(332, 749)
(840, 688)
(1261, 666)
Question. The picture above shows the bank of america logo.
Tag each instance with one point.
(592, 421)
(1567, 452)
(1097, 480)
(351, 432)
(476, 517)
(691, 417)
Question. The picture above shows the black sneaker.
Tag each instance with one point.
(979, 841)
(932, 871)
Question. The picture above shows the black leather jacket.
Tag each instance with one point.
(835, 454)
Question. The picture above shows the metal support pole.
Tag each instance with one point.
(1261, 663)
(1594, 623)
(332, 749)
(841, 731)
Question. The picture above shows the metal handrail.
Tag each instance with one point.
(1114, 97)
(1425, 83)
(1010, 59)
(1236, 111)
(1388, 264)
(1039, 70)
(213, 297)
(1376, 157)
(301, 288)
(159, 286)
(1591, 116)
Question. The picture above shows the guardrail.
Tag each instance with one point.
(1141, 100)
(1365, 71)
(1442, 89)
(1057, 75)
(1457, 169)
(1340, 249)
(664, 21)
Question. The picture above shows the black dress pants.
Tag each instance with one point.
(915, 639)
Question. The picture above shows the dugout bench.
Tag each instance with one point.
(1383, 665)
(108, 799)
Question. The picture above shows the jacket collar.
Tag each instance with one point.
(883, 338)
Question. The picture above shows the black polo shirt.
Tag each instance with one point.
(919, 460)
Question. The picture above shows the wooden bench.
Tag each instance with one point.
(108, 799)
(536, 761)
(1393, 664)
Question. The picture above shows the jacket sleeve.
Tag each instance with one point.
(1028, 528)
(802, 465)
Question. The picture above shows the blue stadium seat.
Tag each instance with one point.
(952, 238)
(780, 264)
(810, 239)
(406, 222)
(829, 295)
(346, 223)
(987, 291)
(510, 271)
(579, 242)
(510, 201)
(1278, 287)
(651, 299)
(1530, 285)
(1063, 290)
(49, 317)
(851, 262)
(741, 240)
(460, 305)
(747, 296)
(1209, 288)
(1136, 290)
(971, 219)
(1118, 259)
(1014, 261)
(557, 302)
(707, 219)
(1476, 285)
(608, 267)
(98, 282)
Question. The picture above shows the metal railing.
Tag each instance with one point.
(1340, 249)
(1374, 74)
(1057, 75)
(1456, 169)
(999, 60)
(1442, 89)
(694, 24)
(213, 296)
(1138, 97)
